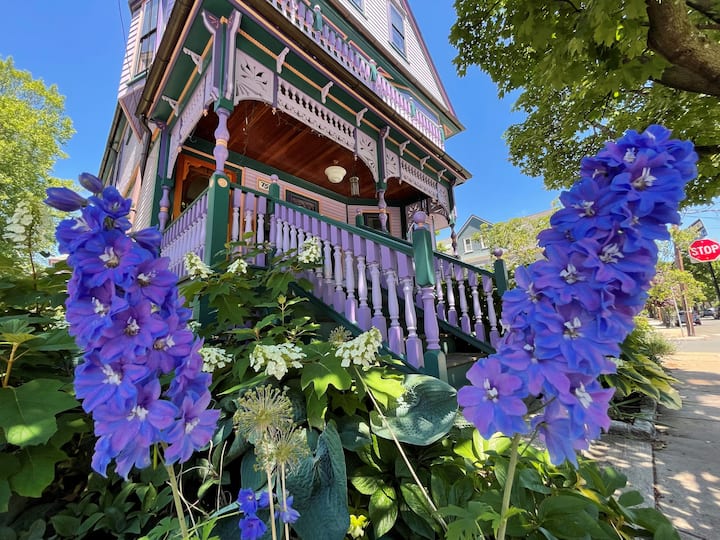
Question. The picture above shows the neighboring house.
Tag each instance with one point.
(275, 121)
(470, 245)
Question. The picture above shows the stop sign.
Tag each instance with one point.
(704, 250)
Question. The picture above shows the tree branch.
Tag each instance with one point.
(691, 53)
(709, 8)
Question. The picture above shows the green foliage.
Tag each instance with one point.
(640, 374)
(584, 72)
(517, 238)
(33, 129)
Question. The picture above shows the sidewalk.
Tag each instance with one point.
(680, 469)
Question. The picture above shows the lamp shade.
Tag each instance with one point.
(335, 173)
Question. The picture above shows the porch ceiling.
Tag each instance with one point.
(288, 145)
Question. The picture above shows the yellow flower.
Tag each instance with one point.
(357, 526)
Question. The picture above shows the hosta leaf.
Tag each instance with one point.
(423, 414)
(27, 413)
(383, 510)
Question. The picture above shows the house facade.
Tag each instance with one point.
(276, 121)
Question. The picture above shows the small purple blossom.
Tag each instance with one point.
(252, 528)
(64, 199)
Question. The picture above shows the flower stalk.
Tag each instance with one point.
(507, 490)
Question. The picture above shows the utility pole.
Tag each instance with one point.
(688, 314)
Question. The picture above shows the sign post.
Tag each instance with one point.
(706, 250)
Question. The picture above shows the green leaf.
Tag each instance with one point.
(366, 480)
(27, 413)
(423, 414)
(384, 385)
(631, 498)
(65, 525)
(5, 493)
(329, 372)
(37, 470)
(316, 409)
(383, 510)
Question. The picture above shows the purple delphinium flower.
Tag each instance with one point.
(90, 182)
(287, 513)
(252, 528)
(247, 501)
(571, 311)
(492, 402)
(125, 312)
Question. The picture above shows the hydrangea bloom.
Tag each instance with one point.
(214, 358)
(362, 350)
(570, 312)
(196, 267)
(125, 313)
(276, 359)
(310, 251)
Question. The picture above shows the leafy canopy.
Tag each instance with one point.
(33, 130)
(584, 72)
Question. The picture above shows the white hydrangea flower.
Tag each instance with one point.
(362, 350)
(310, 251)
(214, 358)
(196, 267)
(276, 359)
(25, 222)
(238, 266)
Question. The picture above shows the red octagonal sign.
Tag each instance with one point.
(704, 250)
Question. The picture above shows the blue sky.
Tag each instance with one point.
(79, 46)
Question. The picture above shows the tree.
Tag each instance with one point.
(33, 129)
(516, 237)
(587, 71)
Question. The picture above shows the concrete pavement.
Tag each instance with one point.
(680, 468)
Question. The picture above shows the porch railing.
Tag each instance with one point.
(368, 277)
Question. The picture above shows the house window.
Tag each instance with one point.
(467, 244)
(358, 4)
(480, 240)
(397, 28)
(148, 36)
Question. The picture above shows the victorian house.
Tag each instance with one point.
(283, 120)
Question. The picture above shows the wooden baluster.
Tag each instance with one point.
(260, 235)
(318, 281)
(249, 212)
(351, 300)
(488, 288)
(378, 320)
(279, 229)
(413, 344)
(395, 332)
(452, 312)
(462, 297)
(286, 230)
(364, 313)
(477, 310)
(339, 294)
(292, 216)
(235, 219)
(439, 291)
(432, 330)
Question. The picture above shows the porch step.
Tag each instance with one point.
(458, 364)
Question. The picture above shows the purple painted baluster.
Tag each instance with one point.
(286, 214)
(329, 288)
(382, 210)
(378, 320)
(235, 218)
(318, 280)
(292, 218)
(477, 310)
(339, 296)
(464, 317)
(439, 291)
(452, 312)
(432, 329)
(249, 212)
(395, 332)
(364, 314)
(279, 211)
(260, 236)
(413, 344)
(351, 300)
(488, 288)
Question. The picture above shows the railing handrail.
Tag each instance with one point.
(187, 209)
(465, 265)
(379, 238)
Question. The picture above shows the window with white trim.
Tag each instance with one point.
(397, 28)
(358, 4)
(467, 244)
(480, 240)
(148, 36)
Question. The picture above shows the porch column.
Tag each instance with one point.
(382, 209)
(218, 194)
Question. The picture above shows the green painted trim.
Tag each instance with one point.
(501, 277)
(470, 340)
(423, 257)
(218, 215)
(435, 364)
